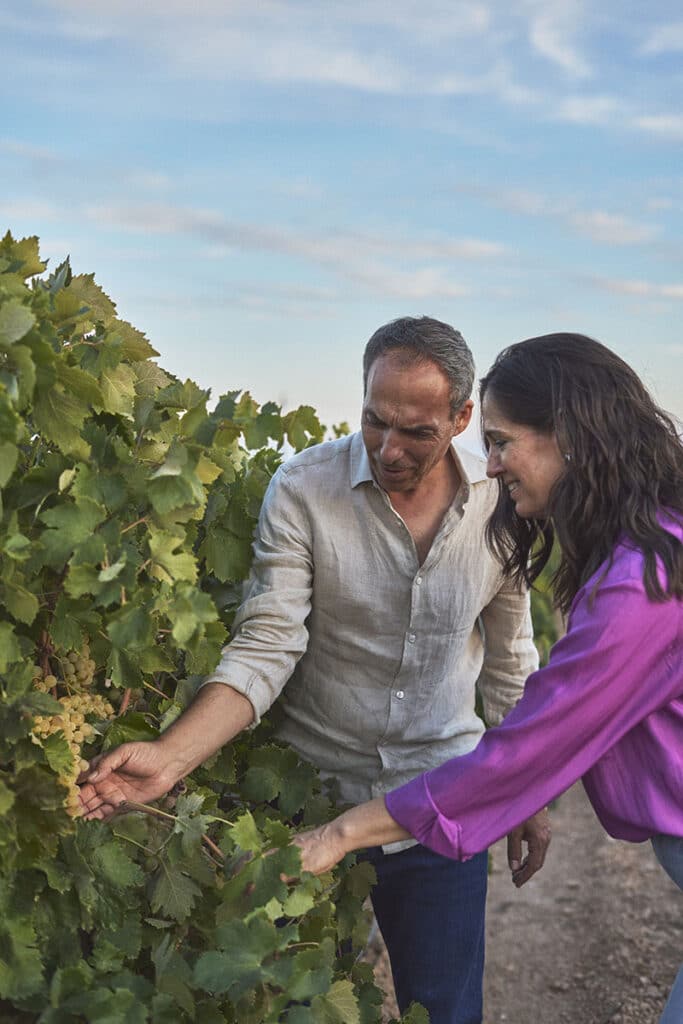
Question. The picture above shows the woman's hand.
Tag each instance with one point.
(368, 824)
(321, 848)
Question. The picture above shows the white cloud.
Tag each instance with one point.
(407, 48)
(595, 109)
(664, 39)
(611, 228)
(639, 288)
(668, 126)
(29, 210)
(600, 226)
(388, 264)
(551, 32)
(28, 150)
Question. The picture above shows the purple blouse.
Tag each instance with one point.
(608, 708)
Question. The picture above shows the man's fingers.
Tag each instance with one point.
(104, 764)
(532, 863)
(515, 850)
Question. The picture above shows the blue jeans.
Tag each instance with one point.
(431, 912)
(669, 851)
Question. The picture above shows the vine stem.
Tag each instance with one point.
(125, 702)
(143, 519)
(133, 805)
(160, 692)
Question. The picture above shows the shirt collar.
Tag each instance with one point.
(472, 465)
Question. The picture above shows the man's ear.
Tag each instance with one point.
(463, 417)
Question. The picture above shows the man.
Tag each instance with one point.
(374, 597)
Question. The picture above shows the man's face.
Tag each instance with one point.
(407, 422)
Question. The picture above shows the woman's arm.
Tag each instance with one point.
(619, 663)
(368, 824)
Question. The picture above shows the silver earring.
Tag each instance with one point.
(567, 457)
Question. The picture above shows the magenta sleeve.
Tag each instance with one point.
(618, 663)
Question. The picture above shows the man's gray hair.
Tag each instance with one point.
(421, 337)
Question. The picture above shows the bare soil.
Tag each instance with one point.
(596, 937)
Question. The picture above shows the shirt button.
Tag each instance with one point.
(400, 694)
(411, 638)
(418, 580)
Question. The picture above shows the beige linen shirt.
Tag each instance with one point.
(380, 655)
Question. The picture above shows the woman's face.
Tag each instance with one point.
(527, 461)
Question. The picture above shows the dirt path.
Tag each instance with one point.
(595, 938)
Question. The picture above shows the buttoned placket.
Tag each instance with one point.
(401, 708)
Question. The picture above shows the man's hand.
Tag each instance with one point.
(140, 772)
(137, 772)
(536, 834)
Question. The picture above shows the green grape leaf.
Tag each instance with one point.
(23, 368)
(77, 383)
(59, 416)
(188, 610)
(360, 879)
(240, 963)
(9, 453)
(246, 835)
(227, 556)
(91, 296)
(261, 783)
(167, 565)
(72, 620)
(10, 650)
(70, 524)
(58, 753)
(267, 424)
(300, 900)
(118, 389)
(16, 320)
(182, 396)
(24, 254)
(129, 728)
(311, 973)
(302, 426)
(20, 602)
(112, 861)
(134, 345)
(21, 969)
(338, 1006)
(130, 627)
(416, 1014)
(6, 798)
(149, 378)
(297, 790)
(174, 894)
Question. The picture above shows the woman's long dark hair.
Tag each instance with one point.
(624, 465)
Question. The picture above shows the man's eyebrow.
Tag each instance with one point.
(411, 429)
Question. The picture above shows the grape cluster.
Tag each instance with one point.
(77, 671)
(79, 703)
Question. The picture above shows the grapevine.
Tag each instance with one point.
(127, 507)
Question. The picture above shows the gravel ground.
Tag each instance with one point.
(595, 938)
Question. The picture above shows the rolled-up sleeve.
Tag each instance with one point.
(618, 664)
(269, 631)
(510, 654)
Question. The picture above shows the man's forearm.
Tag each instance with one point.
(216, 715)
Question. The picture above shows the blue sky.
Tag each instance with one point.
(259, 185)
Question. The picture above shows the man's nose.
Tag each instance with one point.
(391, 449)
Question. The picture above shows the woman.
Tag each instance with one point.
(581, 454)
